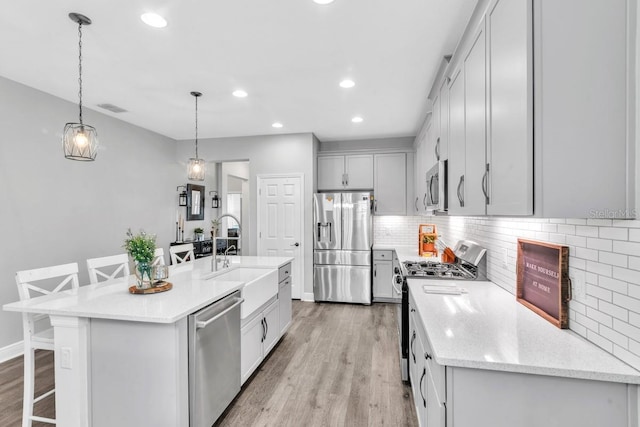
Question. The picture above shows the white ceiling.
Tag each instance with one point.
(289, 55)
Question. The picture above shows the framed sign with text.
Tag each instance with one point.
(543, 280)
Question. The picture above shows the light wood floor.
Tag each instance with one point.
(336, 366)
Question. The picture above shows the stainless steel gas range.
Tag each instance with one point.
(470, 264)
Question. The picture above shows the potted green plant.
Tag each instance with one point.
(141, 248)
(198, 233)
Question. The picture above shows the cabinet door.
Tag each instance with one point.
(435, 127)
(331, 172)
(251, 346)
(272, 323)
(420, 202)
(435, 410)
(359, 172)
(382, 276)
(390, 188)
(284, 301)
(443, 143)
(510, 142)
(475, 127)
(456, 163)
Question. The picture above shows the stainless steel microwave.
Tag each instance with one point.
(437, 187)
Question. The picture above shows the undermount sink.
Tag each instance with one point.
(261, 284)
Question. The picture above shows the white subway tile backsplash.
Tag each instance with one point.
(613, 259)
(615, 285)
(583, 230)
(629, 248)
(613, 311)
(600, 244)
(614, 233)
(604, 255)
(613, 336)
(600, 341)
(601, 318)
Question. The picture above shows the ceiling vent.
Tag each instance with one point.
(112, 108)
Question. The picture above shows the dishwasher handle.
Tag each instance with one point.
(204, 323)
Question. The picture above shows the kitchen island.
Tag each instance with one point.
(122, 359)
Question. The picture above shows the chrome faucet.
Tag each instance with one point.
(225, 263)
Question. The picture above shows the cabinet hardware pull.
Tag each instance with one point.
(266, 332)
(427, 356)
(416, 203)
(413, 338)
(375, 270)
(431, 188)
(460, 197)
(413, 310)
(485, 184)
(424, 200)
(262, 323)
(437, 149)
(424, 401)
(204, 323)
(375, 205)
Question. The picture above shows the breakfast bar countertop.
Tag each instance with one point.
(194, 287)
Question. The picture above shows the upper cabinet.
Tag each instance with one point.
(390, 184)
(350, 172)
(541, 94)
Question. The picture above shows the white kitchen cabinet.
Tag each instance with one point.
(345, 172)
(509, 182)
(384, 264)
(284, 297)
(548, 110)
(442, 139)
(390, 184)
(456, 163)
(417, 367)
(259, 334)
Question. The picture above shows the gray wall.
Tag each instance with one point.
(268, 154)
(56, 211)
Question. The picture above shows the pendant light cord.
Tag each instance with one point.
(80, 67)
(196, 127)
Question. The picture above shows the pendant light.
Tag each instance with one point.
(79, 140)
(196, 165)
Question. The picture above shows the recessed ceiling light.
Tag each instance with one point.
(357, 119)
(277, 125)
(240, 93)
(347, 83)
(153, 20)
(323, 1)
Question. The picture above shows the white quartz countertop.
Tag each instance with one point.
(193, 288)
(487, 328)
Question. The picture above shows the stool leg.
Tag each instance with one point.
(29, 378)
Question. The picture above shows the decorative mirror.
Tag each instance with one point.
(195, 202)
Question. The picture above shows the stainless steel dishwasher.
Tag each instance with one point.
(214, 359)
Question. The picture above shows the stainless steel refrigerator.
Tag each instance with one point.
(342, 247)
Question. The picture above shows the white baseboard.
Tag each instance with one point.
(308, 296)
(11, 351)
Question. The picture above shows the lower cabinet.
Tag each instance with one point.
(384, 287)
(258, 336)
(284, 298)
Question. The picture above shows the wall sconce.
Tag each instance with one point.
(215, 200)
(182, 197)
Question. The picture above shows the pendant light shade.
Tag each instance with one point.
(80, 141)
(196, 169)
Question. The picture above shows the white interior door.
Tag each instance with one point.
(280, 223)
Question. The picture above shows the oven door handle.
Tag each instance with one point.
(395, 282)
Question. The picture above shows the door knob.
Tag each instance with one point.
(296, 244)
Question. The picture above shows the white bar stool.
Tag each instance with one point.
(35, 339)
(96, 267)
(178, 254)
